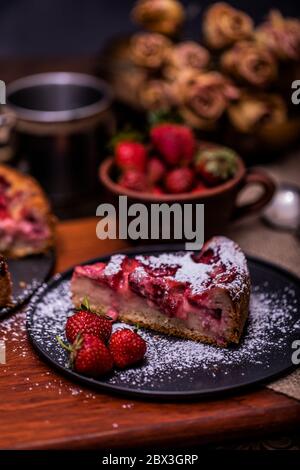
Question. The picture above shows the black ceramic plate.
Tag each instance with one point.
(27, 275)
(176, 368)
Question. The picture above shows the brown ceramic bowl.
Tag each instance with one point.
(220, 203)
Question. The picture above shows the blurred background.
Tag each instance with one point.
(92, 37)
(258, 129)
(34, 28)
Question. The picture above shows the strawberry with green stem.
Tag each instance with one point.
(88, 355)
(176, 143)
(85, 320)
(216, 165)
(127, 347)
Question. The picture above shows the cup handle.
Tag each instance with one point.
(257, 177)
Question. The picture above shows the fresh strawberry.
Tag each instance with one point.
(180, 180)
(157, 190)
(127, 347)
(216, 165)
(155, 170)
(85, 321)
(130, 155)
(199, 188)
(175, 142)
(134, 179)
(89, 355)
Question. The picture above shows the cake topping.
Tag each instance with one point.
(91, 271)
(114, 265)
(167, 278)
(192, 273)
(220, 263)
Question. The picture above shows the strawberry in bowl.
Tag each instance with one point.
(130, 155)
(170, 165)
(215, 165)
(176, 143)
(170, 161)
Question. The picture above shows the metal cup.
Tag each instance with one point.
(63, 122)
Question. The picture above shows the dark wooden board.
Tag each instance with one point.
(40, 409)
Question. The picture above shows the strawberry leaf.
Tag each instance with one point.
(67, 347)
(85, 304)
(162, 116)
(125, 135)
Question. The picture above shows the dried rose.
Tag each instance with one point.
(149, 49)
(250, 62)
(186, 55)
(281, 36)
(204, 97)
(126, 81)
(156, 94)
(223, 25)
(159, 16)
(253, 111)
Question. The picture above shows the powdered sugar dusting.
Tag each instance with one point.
(175, 364)
(186, 270)
(114, 265)
(220, 264)
(193, 273)
(13, 335)
(226, 269)
(232, 258)
(229, 252)
(270, 324)
(169, 259)
(25, 293)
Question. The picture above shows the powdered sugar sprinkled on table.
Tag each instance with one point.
(14, 335)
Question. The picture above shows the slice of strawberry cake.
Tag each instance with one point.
(201, 296)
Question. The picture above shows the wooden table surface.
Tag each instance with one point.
(40, 409)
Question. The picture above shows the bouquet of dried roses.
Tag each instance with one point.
(232, 78)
